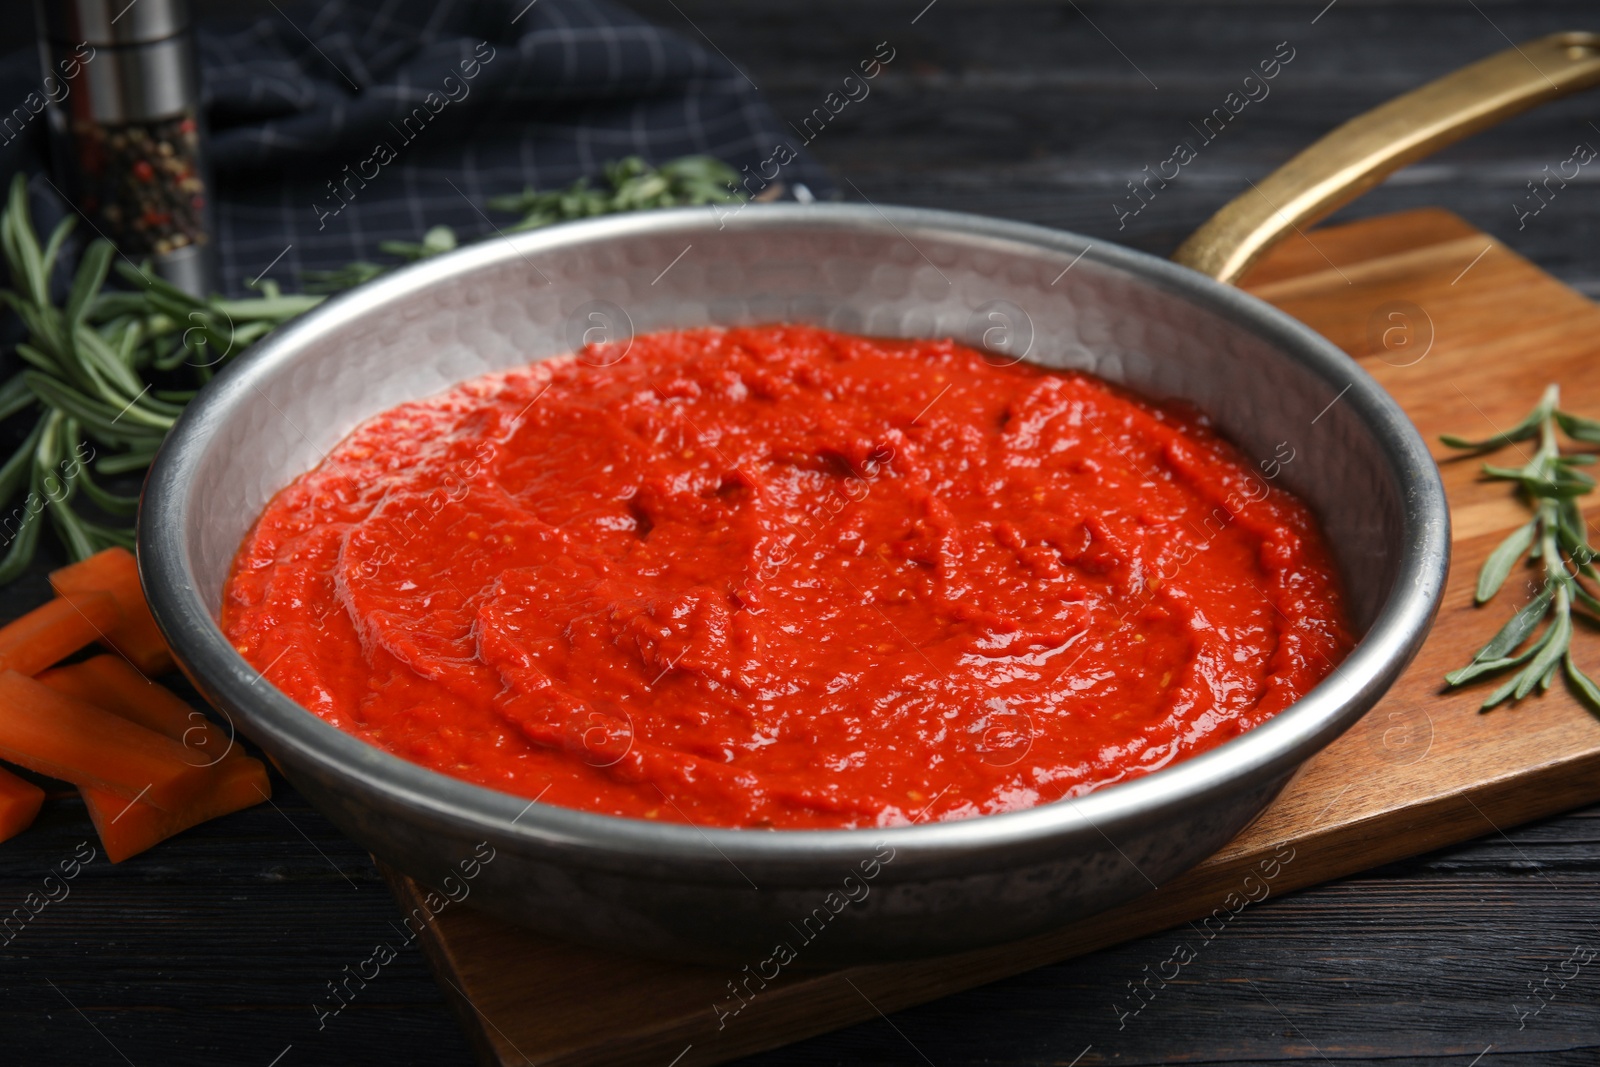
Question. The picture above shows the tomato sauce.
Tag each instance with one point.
(782, 577)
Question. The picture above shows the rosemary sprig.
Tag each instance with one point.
(437, 239)
(106, 375)
(629, 184)
(632, 185)
(1557, 536)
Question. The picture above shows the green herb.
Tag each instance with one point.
(631, 184)
(436, 240)
(107, 374)
(1556, 536)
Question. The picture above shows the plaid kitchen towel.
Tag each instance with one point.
(335, 126)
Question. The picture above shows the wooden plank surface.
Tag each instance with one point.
(213, 947)
(1479, 332)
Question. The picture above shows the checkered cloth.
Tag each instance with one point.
(473, 98)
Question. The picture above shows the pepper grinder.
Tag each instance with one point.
(127, 133)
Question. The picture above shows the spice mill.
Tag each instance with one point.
(127, 135)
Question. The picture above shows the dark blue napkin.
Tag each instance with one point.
(334, 127)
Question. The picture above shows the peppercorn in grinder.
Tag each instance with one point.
(126, 130)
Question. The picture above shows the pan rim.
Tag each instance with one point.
(1253, 760)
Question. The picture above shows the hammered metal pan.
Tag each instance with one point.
(1165, 329)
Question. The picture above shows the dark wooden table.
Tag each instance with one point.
(214, 947)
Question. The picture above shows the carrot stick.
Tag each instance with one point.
(109, 683)
(128, 828)
(56, 630)
(64, 738)
(19, 804)
(116, 572)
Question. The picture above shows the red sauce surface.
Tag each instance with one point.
(780, 577)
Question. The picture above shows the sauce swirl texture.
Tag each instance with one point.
(782, 577)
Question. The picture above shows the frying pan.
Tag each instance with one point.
(1165, 329)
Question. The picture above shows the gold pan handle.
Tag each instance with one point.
(1361, 153)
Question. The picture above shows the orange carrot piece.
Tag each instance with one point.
(64, 738)
(116, 572)
(128, 828)
(19, 804)
(108, 682)
(54, 631)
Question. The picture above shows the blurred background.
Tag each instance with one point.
(1040, 110)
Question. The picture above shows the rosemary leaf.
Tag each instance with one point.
(133, 460)
(273, 309)
(1501, 694)
(1519, 626)
(1501, 560)
(1528, 428)
(1582, 596)
(1579, 428)
(1482, 665)
(14, 473)
(1582, 682)
(58, 237)
(97, 415)
(103, 537)
(22, 247)
(91, 276)
(21, 545)
(1550, 653)
(111, 503)
(15, 396)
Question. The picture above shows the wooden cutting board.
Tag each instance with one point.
(1465, 334)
